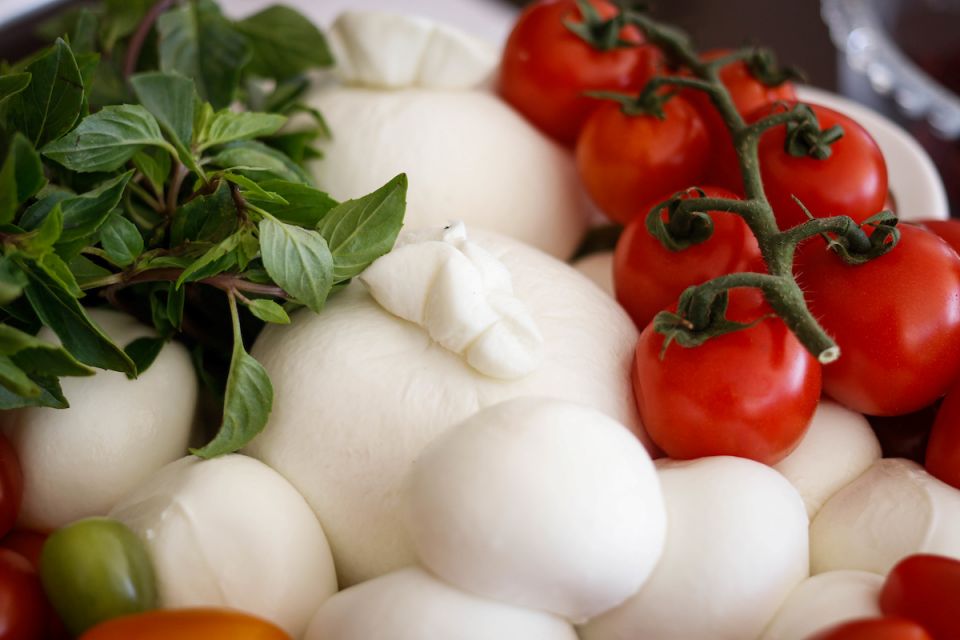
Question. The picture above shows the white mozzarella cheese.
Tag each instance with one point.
(410, 604)
(839, 446)
(231, 532)
(78, 462)
(539, 503)
(736, 547)
(825, 600)
(893, 510)
(359, 393)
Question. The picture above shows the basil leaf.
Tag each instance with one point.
(105, 140)
(303, 205)
(15, 380)
(12, 84)
(250, 188)
(21, 177)
(360, 231)
(216, 260)
(121, 240)
(82, 215)
(268, 311)
(198, 42)
(176, 299)
(58, 270)
(254, 157)
(60, 311)
(227, 126)
(143, 351)
(121, 18)
(34, 355)
(298, 260)
(154, 164)
(86, 271)
(169, 97)
(39, 241)
(12, 281)
(83, 36)
(50, 105)
(247, 402)
(284, 43)
(208, 218)
(50, 395)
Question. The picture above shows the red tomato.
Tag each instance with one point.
(949, 230)
(29, 544)
(851, 182)
(627, 161)
(895, 318)
(11, 486)
(750, 393)
(943, 449)
(649, 277)
(749, 95)
(875, 629)
(22, 604)
(905, 436)
(187, 624)
(546, 68)
(926, 589)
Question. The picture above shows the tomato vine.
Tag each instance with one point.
(701, 312)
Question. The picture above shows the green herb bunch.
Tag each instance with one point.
(150, 164)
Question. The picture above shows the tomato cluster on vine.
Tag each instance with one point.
(580, 76)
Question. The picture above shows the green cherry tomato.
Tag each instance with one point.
(94, 570)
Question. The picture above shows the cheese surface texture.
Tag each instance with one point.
(360, 392)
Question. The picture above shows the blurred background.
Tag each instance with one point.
(900, 57)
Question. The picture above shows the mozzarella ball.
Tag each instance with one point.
(825, 600)
(839, 446)
(539, 503)
(894, 510)
(231, 532)
(599, 268)
(468, 156)
(359, 393)
(736, 547)
(80, 461)
(410, 604)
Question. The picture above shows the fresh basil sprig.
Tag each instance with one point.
(147, 162)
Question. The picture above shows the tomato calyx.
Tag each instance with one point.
(600, 33)
(806, 138)
(701, 315)
(763, 66)
(881, 240)
(687, 221)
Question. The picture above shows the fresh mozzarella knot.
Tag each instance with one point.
(463, 298)
(387, 51)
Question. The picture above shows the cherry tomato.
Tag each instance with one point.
(851, 182)
(22, 605)
(649, 277)
(27, 543)
(943, 450)
(187, 624)
(896, 320)
(626, 161)
(547, 68)
(949, 230)
(875, 629)
(750, 393)
(94, 570)
(11, 486)
(925, 589)
(905, 436)
(749, 95)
